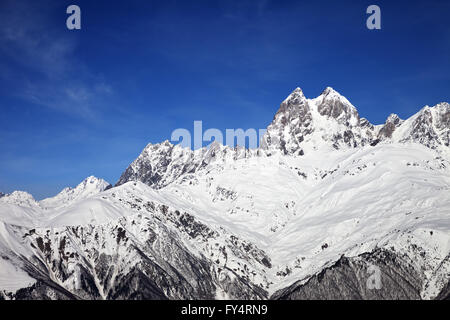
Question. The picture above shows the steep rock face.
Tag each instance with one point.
(445, 293)
(42, 290)
(423, 131)
(349, 279)
(291, 124)
(161, 164)
(300, 126)
(349, 131)
(333, 105)
(430, 127)
(158, 162)
(442, 122)
(159, 268)
(2, 194)
(156, 253)
(325, 189)
(304, 125)
(392, 123)
(280, 133)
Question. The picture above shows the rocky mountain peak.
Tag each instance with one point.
(156, 164)
(295, 97)
(328, 120)
(392, 122)
(442, 116)
(332, 104)
(281, 227)
(330, 93)
(364, 123)
(430, 127)
(293, 118)
(295, 103)
(299, 126)
(393, 118)
(162, 147)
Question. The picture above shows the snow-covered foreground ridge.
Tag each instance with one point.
(326, 196)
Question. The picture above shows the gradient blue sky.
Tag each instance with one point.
(80, 103)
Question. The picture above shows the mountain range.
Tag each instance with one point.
(307, 215)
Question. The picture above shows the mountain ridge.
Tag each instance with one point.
(338, 125)
(327, 194)
(24, 198)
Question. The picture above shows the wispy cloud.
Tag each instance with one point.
(27, 38)
(71, 97)
(48, 72)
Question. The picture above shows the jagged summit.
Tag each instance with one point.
(328, 90)
(326, 196)
(304, 125)
(301, 125)
(392, 122)
(296, 96)
(161, 164)
(332, 104)
(430, 127)
(331, 93)
(151, 165)
(394, 118)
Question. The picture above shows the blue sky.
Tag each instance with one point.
(80, 103)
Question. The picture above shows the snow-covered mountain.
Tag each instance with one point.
(161, 164)
(21, 208)
(304, 125)
(327, 196)
(20, 198)
(89, 187)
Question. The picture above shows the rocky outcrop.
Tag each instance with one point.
(392, 123)
(430, 127)
(161, 164)
(292, 122)
(299, 126)
(348, 279)
(145, 256)
(445, 293)
(183, 224)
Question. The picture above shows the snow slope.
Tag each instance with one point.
(87, 188)
(324, 184)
